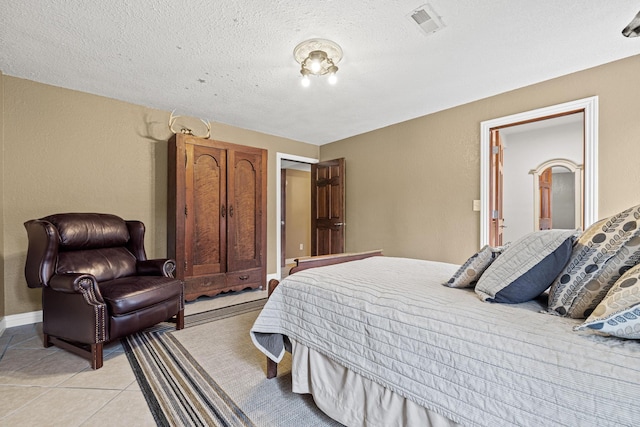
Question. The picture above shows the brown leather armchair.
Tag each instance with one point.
(97, 284)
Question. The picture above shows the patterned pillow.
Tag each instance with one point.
(527, 268)
(602, 254)
(469, 273)
(618, 313)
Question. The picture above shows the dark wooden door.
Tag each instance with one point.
(496, 219)
(245, 189)
(283, 217)
(545, 185)
(204, 210)
(327, 207)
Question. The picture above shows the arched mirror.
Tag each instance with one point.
(558, 195)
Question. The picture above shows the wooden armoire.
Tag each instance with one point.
(217, 209)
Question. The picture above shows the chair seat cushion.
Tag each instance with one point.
(128, 294)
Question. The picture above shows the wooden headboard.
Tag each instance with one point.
(322, 260)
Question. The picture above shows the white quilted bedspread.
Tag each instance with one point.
(391, 320)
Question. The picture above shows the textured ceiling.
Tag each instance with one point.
(231, 61)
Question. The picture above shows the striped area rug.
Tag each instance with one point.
(178, 391)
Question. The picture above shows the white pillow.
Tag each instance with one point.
(601, 255)
(618, 313)
(468, 274)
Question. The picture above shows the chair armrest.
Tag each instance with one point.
(156, 267)
(76, 283)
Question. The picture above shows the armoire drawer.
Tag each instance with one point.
(248, 277)
(195, 287)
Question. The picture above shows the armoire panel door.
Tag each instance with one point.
(245, 205)
(205, 210)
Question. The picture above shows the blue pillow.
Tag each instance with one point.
(528, 267)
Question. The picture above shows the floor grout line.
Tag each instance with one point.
(34, 363)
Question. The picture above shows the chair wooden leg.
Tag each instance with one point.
(180, 320)
(96, 355)
(92, 352)
(272, 368)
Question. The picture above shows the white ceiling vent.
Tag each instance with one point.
(427, 19)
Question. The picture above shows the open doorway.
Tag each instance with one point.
(293, 204)
(296, 213)
(541, 162)
(492, 224)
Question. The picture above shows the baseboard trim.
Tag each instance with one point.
(22, 319)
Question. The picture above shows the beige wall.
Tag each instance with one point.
(298, 218)
(2, 251)
(410, 186)
(71, 151)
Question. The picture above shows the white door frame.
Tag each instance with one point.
(279, 158)
(590, 107)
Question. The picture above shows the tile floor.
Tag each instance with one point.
(52, 387)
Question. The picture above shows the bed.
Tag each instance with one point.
(379, 341)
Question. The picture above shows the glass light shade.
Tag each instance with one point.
(316, 66)
(317, 57)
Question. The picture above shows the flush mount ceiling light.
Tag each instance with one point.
(317, 57)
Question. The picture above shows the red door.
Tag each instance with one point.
(545, 184)
(283, 217)
(327, 207)
(496, 187)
